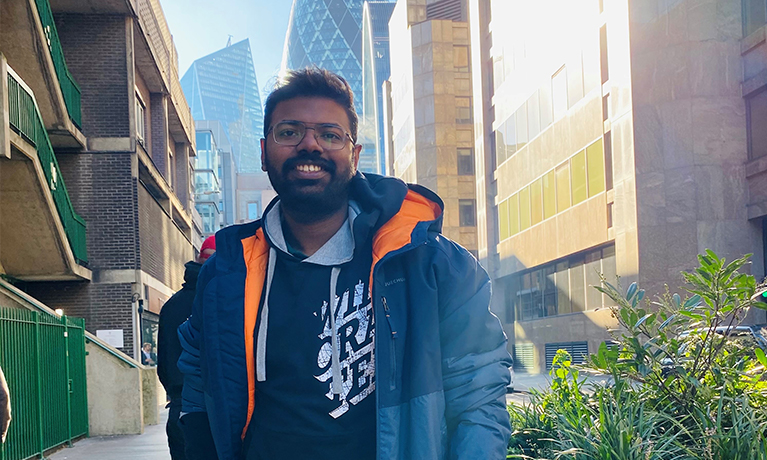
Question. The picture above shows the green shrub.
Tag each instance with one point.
(679, 388)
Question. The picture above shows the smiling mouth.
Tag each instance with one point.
(308, 168)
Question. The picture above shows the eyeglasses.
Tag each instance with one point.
(291, 133)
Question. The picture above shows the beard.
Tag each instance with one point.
(309, 199)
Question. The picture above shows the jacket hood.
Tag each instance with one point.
(376, 200)
(190, 274)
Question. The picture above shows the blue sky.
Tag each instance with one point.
(200, 27)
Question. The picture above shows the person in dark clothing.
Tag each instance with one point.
(175, 311)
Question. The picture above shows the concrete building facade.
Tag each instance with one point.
(431, 108)
(125, 158)
(626, 149)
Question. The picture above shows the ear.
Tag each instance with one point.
(263, 154)
(356, 157)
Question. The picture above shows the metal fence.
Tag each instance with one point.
(69, 87)
(43, 358)
(25, 118)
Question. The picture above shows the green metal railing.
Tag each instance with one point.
(43, 359)
(25, 119)
(69, 87)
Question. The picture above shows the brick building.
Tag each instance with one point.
(125, 161)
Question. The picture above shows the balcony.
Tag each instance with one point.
(41, 235)
(30, 43)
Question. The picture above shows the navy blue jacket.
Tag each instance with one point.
(442, 364)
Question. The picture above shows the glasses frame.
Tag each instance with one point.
(314, 128)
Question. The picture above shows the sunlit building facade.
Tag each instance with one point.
(222, 86)
(610, 140)
(431, 116)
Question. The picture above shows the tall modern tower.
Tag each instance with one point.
(222, 86)
(376, 69)
(328, 33)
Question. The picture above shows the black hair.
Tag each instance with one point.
(312, 82)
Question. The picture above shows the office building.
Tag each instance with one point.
(617, 138)
(96, 213)
(432, 116)
(222, 86)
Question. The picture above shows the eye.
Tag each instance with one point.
(287, 131)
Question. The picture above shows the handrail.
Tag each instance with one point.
(69, 87)
(25, 118)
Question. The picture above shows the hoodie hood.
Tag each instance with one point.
(190, 274)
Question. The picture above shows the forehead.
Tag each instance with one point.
(311, 110)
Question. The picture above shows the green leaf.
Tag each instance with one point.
(761, 356)
(677, 300)
(692, 301)
(644, 319)
(666, 322)
(631, 291)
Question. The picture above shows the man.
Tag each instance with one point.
(341, 324)
(175, 311)
(148, 357)
(5, 407)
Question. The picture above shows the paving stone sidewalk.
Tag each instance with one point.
(152, 445)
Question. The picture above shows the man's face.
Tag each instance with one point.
(147, 348)
(205, 255)
(310, 179)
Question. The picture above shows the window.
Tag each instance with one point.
(536, 202)
(757, 121)
(577, 285)
(559, 93)
(547, 115)
(514, 215)
(467, 210)
(524, 209)
(575, 81)
(511, 136)
(500, 145)
(593, 268)
(461, 58)
(609, 270)
(521, 115)
(608, 147)
(754, 15)
(533, 116)
(465, 161)
(561, 287)
(563, 187)
(140, 121)
(503, 220)
(254, 210)
(463, 110)
(549, 195)
(578, 172)
(596, 168)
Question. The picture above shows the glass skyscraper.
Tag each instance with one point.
(222, 86)
(328, 33)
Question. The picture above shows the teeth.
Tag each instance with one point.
(308, 168)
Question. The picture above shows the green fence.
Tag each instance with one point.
(69, 87)
(25, 119)
(43, 358)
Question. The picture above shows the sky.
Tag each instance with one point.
(200, 27)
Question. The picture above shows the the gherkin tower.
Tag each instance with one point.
(327, 33)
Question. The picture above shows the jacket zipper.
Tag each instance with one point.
(392, 348)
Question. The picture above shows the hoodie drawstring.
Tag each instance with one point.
(261, 341)
(335, 384)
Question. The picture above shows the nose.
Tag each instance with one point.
(309, 142)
